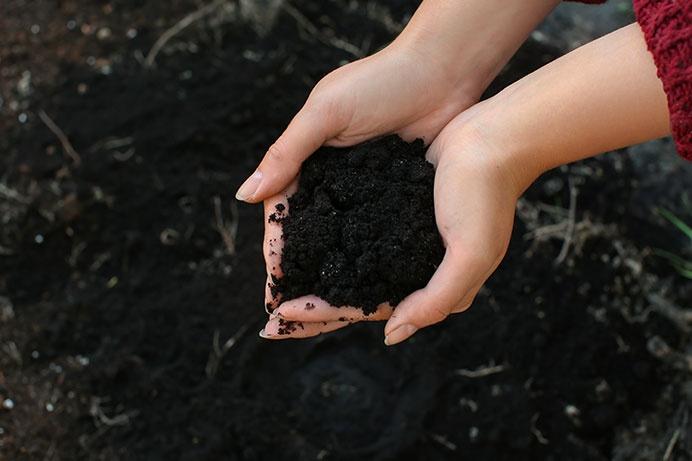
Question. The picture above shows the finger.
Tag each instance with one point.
(314, 309)
(454, 278)
(272, 298)
(278, 328)
(275, 209)
(303, 136)
(468, 299)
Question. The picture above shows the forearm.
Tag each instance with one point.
(600, 97)
(474, 39)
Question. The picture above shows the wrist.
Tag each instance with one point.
(511, 148)
(474, 140)
(472, 40)
(601, 97)
(463, 70)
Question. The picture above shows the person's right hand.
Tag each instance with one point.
(400, 89)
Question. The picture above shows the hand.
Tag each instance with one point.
(416, 98)
(307, 315)
(398, 90)
(475, 198)
(600, 97)
(437, 67)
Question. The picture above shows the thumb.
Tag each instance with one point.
(448, 287)
(280, 165)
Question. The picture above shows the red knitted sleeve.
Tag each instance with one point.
(667, 27)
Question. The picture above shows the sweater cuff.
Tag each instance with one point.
(667, 27)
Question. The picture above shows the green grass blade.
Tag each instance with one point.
(687, 273)
(677, 222)
(681, 265)
(673, 258)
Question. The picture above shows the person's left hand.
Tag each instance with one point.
(475, 196)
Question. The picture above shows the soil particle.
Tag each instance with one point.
(278, 215)
(289, 326)
(361, 228)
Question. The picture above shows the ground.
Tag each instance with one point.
(131, 282)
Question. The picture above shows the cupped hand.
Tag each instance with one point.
(305, 316)
(475, 198)
(400, 89)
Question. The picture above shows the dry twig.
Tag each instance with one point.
(96, 411)
(536, 432)
(680, 317)
(671, 445)
(12, 194)
(228, 231)
(314, 31)
(442, 440)
(60, 134)
(181, 25)
(217, 351)
(676, 359)
(569, 232)
(481, 371)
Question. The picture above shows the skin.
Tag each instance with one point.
(600, 97)
(437, 67)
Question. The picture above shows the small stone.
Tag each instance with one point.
(6, 309)
(571, 411)
(103, 33)
(24, 84)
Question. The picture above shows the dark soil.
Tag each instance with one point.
(128, 324)
(361, 228)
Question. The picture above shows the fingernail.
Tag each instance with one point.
(262, 334)
(249, 187)
(399, 334)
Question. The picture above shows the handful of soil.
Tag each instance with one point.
(361, 229)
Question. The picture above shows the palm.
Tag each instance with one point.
(474, 208)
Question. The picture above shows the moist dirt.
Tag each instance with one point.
(361, 228)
